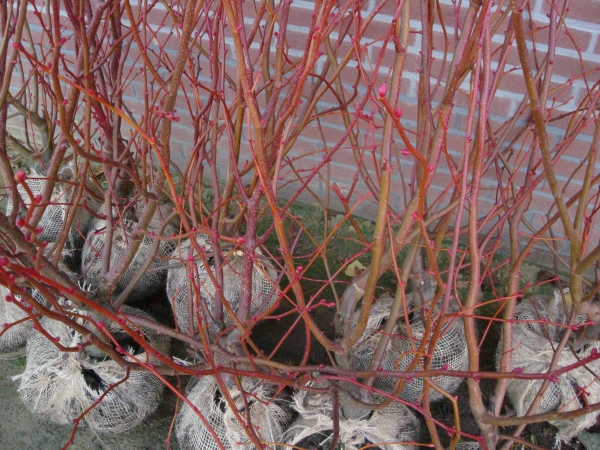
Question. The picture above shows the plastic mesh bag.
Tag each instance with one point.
(13, 335)
(264, 292)
(536, 333)
(91, 264)
(61, 386)
(450, 352)
(269, 416)
(56, 212)
(468, 445)
(392, 428)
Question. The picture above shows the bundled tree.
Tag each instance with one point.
(154, 153)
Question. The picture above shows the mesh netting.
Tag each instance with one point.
(91, 264)
(263, 290)
(450, 352)
(392, 428)
(61, 386)
(535, 336)
(12, 338)
(269, 416)
(55, 214)
(468, 445)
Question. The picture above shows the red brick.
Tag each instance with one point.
(443, 180)
(300, 17)
(578, 149)
(513, 81)
(501, 106)
(563, 123)
(574, 39)
(560, 93)
(343, 167)
(584, 10)
(387, 9)
(156, 16)
(380, 28)
(573, 67)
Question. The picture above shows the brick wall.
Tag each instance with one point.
(576, 69)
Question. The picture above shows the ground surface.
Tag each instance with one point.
(19, 429)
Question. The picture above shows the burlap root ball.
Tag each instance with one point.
(13, 335)
(264, 291)
(61, 386)
(269, 416)
(536, 334)
(450, 352)
(468, 445)
(123, 229)
(55, 214)
(394, 427)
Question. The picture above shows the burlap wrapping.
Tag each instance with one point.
(15, 327)
(536, 333)
(450, 352)
(179, 290)
(61, 386)
(152, 280)
(54, 216)
(268, 416)
(392, 428)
